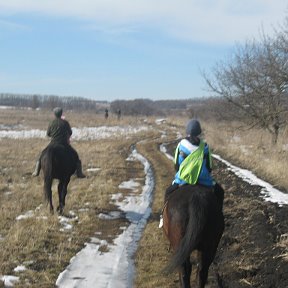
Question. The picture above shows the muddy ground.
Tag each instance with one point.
(250, 253)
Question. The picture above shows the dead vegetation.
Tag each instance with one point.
(38, 240)
(251, 149)
(43, 245)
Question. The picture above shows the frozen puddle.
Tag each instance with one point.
(92, 268)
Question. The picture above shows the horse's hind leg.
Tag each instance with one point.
(48, 193)
(60, 195)
(62, 192)
(185, 274)
(206, 258)
(65, 186)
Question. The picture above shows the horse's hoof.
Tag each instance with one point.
(60, 210)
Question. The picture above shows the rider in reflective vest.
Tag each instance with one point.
(192, 160)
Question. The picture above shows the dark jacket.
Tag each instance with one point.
(60, 131)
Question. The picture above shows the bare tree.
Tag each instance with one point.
(255, 81)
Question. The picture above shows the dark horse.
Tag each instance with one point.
(193, 220)
(57, 162)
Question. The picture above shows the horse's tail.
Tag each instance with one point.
(194, 230)
(47, 172)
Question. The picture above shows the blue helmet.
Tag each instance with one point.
(193, 128)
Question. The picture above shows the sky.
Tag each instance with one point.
(128, 49)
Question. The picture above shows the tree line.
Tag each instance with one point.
(50, 101)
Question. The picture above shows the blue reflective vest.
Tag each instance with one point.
(185, 148)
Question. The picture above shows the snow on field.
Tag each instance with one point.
(93, 169)
(28, 214)
(164, 150)
(3, 107)
(22, 134)
(9, 280)
(85, 133)
(20, 268)
(115, 268)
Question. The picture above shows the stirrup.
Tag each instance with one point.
(36, 173)
(161, 222)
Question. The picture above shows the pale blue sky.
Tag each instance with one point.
(123, 49)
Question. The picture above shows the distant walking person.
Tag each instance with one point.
(106, 113)
(59, 130)
(118, 114)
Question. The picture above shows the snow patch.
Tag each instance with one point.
(269, 193)
(160, 121)
(20, 268)
(67, 222)
(111, 215)
(9, 280)
(96, 169)
(115, 267)
(85, 133)
(163, 149)
(28, 214)
(131, 185)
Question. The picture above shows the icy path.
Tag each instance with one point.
(269, 193)
(114, 269)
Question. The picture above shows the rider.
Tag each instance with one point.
(193, 161)
(59, 131)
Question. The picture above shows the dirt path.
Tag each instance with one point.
(252, 249)
(250, 254)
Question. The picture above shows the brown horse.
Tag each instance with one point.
(57, 162)
(193, 220)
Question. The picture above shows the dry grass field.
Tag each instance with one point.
(248, 148)
(252, 149)
(38, 242)
(42, 243)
